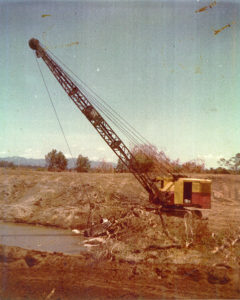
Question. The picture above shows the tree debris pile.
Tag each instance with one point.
(139, 231)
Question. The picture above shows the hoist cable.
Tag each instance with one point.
(118, 123)
(132, 137)
(55, 111)
(117, 120)
(122, 129)
(130, 128)
(134, 141)
(110, 117)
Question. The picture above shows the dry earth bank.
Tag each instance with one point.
(132, 252)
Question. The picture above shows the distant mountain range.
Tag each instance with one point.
(40, 162)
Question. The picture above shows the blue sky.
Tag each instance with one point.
(157, 63)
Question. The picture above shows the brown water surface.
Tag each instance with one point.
(42, 238)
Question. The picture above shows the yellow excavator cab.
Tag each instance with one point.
(191, 192)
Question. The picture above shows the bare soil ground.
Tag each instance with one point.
(132, 251)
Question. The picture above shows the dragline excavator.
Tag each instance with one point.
(169, 192)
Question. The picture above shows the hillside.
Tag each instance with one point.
(40, 162)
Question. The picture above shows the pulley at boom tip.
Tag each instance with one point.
(33, 43)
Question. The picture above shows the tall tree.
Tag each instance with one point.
(143, 162)
(56, 161)
(82, 164)
(149, 159)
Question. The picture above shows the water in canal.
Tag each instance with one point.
(42, 238)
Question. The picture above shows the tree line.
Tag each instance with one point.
(147, 159)
(56, 161)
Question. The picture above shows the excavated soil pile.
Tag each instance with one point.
(133, 250)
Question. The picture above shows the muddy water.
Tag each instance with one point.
(40, 238)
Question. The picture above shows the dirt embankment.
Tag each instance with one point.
(132, 250)
(67, 200)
